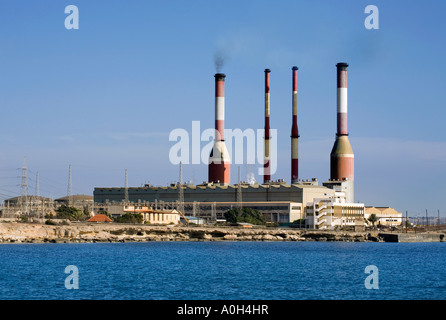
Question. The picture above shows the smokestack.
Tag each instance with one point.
(267, 156)
(342, 156)
(219, 161)
(294, 133)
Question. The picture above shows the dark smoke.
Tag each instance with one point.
(219, 60)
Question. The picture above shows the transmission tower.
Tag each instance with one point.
(69, 192)
(24, 188)
(126, 189)
(181, 191)
(37, 183)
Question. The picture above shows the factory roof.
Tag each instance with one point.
(100, 218)
(29, 198)
(215, 187)
(77, 197)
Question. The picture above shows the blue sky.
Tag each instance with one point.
(105, 97)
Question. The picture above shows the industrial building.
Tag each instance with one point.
(35, 205)
(386, 216)
(154, 216)
(278, 201)
(79, 201)
(334, 212)
(38, 206)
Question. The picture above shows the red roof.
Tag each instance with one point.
(100, 218)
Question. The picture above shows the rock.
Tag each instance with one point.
(230, 237)
(196, 234)
(268, 237)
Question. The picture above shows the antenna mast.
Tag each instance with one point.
(70, 194)
(239, 193)
(126, 189)
(181, 191)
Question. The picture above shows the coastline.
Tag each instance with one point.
(91, 232)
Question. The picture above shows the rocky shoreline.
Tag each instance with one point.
(87, 232)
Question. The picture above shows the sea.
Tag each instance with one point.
(223, 270)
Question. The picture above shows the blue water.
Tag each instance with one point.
(224, 270)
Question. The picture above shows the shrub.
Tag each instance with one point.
(70, 213)
(247, 215)
(130, 218)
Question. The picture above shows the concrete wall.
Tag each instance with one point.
(412, 237)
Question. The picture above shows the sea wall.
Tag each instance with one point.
(412, 237)
(85, 232)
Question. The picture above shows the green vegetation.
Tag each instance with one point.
(130, 218)
(247, 215)
(23, 219)
(373, 218)
(50, 222)
(70, 213)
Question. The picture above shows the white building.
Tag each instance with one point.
(330, 213)
(155, 216)
(386, 216)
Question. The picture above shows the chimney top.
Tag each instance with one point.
(342, 65)
(220, 76)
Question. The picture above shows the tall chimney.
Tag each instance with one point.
(219, 161)
(342, 156)
(294, 133)
(267, 156)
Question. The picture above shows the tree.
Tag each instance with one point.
(86, 211)
(70, 213)
(130, 218)
(248, 215)
(373, 218)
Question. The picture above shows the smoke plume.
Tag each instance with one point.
(219, 60)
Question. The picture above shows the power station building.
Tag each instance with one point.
(278, 201)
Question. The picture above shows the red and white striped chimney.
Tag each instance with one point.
(342, 98)
(219, 160)
(294, 133)
(342, 157)
(267, 156)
